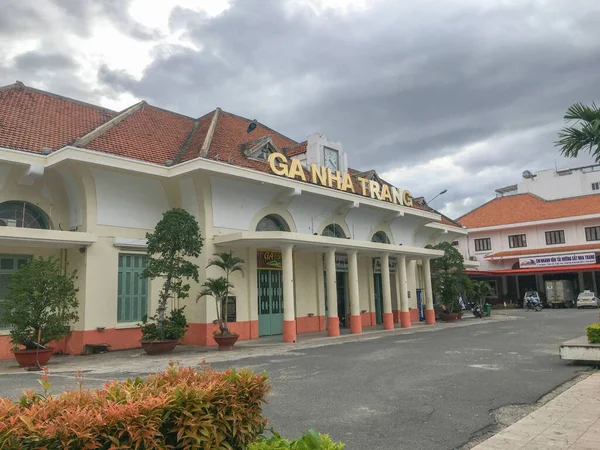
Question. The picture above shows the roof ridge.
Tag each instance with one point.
(186, 142)
(261, 124)
(210, 133)
(169, 111)
(99, 131)
(21, 85)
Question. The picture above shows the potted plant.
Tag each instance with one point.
(176, 238)
(448, 278)
(481, 290)
(40, 305)
(219, 289)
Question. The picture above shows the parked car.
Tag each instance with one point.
(587, 298)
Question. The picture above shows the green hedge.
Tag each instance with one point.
(593, 333)
(311, 440)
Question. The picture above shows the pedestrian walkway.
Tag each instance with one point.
(569, 421)
(137, 362)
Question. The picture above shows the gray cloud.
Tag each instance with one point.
(400, 83)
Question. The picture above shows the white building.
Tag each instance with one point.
(325, 245)
(545, 227)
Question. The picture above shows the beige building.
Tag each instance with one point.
(326, 246)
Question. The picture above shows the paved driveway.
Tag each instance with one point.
(431, 390)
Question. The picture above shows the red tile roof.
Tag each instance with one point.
(150, 134)
(31, 120)
(545, 250)
(528, 208)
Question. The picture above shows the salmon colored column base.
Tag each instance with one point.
(429, 316)
(405, 319)
(355, 324)
(289, 331)
(333, 326)
(388, 321)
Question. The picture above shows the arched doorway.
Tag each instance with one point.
(269, 285)
(341, 277)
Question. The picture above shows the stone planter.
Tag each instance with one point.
(28, 358)
(226, 343)
(159, 347)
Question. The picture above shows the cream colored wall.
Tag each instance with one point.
(365, 283)
(306, 292)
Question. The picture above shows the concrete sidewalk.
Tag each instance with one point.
(137, 362)
(569, 421)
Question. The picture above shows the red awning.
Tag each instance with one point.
(581, 268)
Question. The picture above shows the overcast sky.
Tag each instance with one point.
(434, 94)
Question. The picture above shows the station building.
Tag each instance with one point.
(325, 246)
(546, 227)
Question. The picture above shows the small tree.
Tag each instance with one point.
(448, 277)
(586, 138)
(229, 263)
(218, 288)
(481, 290)
(41, 303)
(175, 239)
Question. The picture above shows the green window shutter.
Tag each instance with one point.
(9, 264)
(132, 301)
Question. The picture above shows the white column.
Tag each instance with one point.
(388, 318)
(429, 313)
(355, 319)
(403, 282)
(289, 315)
(333, 321)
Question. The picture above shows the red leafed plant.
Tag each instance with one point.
(179, 408)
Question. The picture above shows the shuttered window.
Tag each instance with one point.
(132, 301)
(9, 264)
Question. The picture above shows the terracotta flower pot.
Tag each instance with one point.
(159, 347)
(226, 343)
(449, 317)
(28, 358)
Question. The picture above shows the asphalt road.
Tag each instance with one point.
(413, 391)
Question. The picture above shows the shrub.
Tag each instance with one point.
(40, 304)
(311, 440)
(174, 326)
(180, 408)
(593, 333)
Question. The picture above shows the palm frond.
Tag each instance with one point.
(585, 137)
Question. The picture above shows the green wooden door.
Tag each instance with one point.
(270, 302)
(9, 264)
(132, 294)
(378, 298)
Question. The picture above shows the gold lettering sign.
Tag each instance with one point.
(267, 259)
(293, 169)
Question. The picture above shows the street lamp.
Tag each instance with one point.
(441, 193)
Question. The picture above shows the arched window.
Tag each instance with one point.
(272, 222)
(381, 238)
(23, 215)
(333, 230)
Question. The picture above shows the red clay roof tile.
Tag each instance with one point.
(31, 120)
(528, 208)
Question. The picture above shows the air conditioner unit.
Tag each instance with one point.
(8, 223)
(472, 258)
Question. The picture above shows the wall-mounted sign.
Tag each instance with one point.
(323, 176)
(341, 263)
(377, 265)
(558, 260)
(268, 260)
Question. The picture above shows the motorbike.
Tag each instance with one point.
(475, 309)
(530, 306)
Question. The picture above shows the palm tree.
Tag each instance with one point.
(218, 288)
(572, 140)
(229, 264)
(481, 290)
